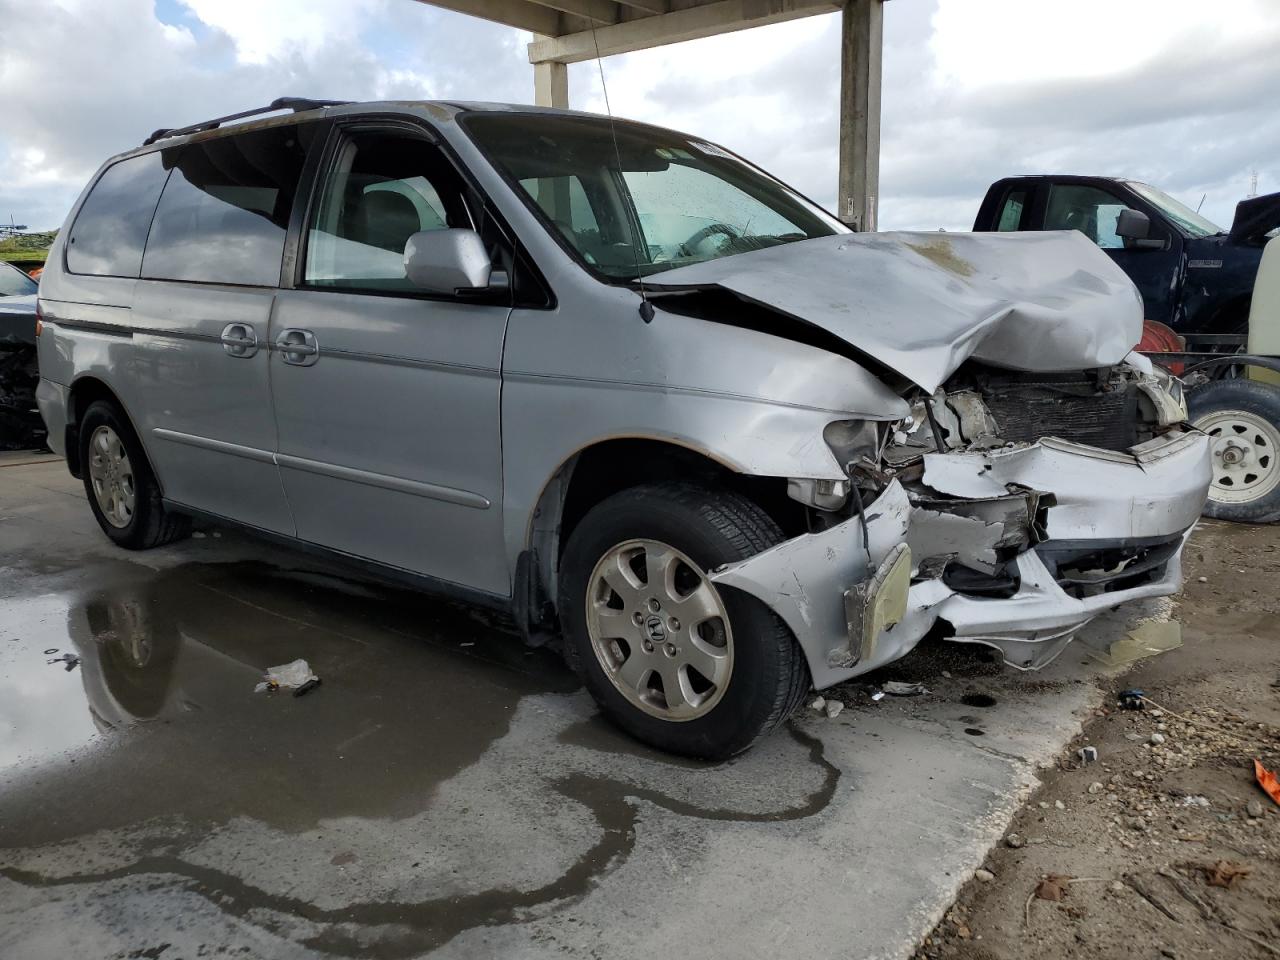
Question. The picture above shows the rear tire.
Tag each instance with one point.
(1242, 418)
(122, 490)
(694, 530)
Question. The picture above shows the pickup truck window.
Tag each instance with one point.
(657, 200)
(1092, 211)
(1186, 219)
(1015, 202)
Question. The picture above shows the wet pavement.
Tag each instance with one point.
(445, 790)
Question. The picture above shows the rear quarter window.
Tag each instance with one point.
(110, 231)
(225, 210)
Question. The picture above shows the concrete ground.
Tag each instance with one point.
(446, 791)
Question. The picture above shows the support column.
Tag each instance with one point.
(861, 44)
(551, 84)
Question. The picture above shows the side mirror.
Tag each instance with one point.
(1133, 224)
(1134, 227)
(446, 261)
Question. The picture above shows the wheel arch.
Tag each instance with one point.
(601, 469)
(85, 391)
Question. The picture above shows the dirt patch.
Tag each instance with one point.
(1164, 847)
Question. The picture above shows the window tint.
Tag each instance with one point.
(224, 212)
(15, 283)
(382, 190)
(1092, 211)
(1015, 201)
(110, 230)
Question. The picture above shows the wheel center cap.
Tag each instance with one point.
(655, 630)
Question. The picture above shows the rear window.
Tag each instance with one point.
(224, 212)
(110, 231)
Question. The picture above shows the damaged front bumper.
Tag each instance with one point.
(1013, 547)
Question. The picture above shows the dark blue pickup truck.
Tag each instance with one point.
(1194, 276)
(1197, 282)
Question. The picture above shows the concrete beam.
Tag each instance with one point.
(708, 20)
(514, 13)
(861, 44)
(648, 6)
(551, 84)
(601, 11)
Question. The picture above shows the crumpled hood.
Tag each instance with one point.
(923, 303)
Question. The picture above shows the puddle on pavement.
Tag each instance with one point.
(353, 819)
(164, 687)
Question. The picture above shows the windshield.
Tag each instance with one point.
(15, 283)
(1190, 222)
(654, 201)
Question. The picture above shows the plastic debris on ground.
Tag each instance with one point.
(1131, 699)
(296, 676)
(878, 695)
(1266, 780)
(1087, 754)
(1145, 640)
(900, 689)
(69, 660)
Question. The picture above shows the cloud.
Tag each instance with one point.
(1175, 92)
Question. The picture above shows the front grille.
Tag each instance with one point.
(1072, 406)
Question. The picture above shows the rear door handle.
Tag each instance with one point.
(298, 347)
(239, 340)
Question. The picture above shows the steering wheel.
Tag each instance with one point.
(711, 229)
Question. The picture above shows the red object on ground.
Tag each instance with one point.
(1159, 338)
(1267, 780)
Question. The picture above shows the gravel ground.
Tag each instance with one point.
(1163, 847)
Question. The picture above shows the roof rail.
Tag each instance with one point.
(296, 104)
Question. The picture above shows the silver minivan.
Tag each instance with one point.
(622, 384)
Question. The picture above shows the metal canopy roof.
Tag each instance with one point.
(626, 25)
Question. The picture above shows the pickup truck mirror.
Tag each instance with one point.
(1134, 227)
(447, 261)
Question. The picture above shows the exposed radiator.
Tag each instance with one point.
(1067, 405)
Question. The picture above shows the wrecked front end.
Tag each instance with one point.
(1009, 508)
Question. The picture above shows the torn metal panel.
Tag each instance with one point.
(1096, 493)
(923, 303)
(803, 580)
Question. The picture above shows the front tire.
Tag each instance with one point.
(1242, 419)
(675, 661)
(122, 490)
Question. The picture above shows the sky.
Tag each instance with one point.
(1178, 93)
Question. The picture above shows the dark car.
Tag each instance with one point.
(1194, 276)
(20, 425)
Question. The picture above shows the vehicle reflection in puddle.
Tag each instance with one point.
(169, 661)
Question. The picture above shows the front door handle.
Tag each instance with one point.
(298, 347)
(239, 340)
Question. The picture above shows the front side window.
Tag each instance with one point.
(224, 212)
(1092, 211)
(633, 201)
(383, 188)
(110, 231)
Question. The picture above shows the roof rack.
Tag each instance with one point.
(296, 104)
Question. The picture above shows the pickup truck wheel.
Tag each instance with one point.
(675, 661)
(118, 481)
(1242, 419)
